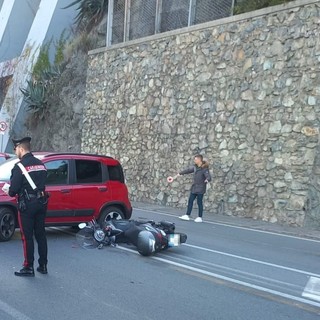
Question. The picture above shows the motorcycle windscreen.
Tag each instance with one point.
(85, 238)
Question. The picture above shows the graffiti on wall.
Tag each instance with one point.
(7, 67)
(4, 86)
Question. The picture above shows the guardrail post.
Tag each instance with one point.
(192, 12)
(109, 23)
(126, 29)
(157, 28)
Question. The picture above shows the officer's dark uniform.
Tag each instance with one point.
(32, 205)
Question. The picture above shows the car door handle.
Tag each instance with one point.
(102, 189)
(65, 190)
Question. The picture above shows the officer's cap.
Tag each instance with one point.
(16, 142)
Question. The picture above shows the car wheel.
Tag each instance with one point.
(109, 214)
(7, 224)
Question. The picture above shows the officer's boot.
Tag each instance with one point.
(25, 272)
(42, 269)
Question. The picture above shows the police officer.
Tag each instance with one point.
(32, 205)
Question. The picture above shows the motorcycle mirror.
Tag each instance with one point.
(82, 225)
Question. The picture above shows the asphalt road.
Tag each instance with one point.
(224, 271)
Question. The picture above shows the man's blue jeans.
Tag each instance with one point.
(192, 197)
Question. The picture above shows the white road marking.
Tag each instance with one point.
(15, 314)
(309, 291)
(237, 272)
(228, 255)
(312, 289)
(252, 260)
(236, 227)
(63, 230)
(242, 283)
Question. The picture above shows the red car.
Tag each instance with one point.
(81, 187)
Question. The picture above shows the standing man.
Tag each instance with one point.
(201, 176)
(32, 205)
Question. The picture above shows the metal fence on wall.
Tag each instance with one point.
(134, 19)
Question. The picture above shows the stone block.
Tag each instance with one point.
(247, 65)
(280, 184)
(280, 203)
(275, 127)
(247, 95)
(312, 101)
(288, 101)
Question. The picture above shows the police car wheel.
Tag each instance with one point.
(109, 214)
(7, 224)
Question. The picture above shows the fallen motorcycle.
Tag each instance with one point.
(148, 236)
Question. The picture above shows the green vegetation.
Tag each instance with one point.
(90, 13)
(60, 45)
(36, 93)
(243, 6)
(82, 42)
(35, 97)
(43, 62)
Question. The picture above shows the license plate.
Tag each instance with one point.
(174, 240)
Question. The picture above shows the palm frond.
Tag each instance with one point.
(90, 12)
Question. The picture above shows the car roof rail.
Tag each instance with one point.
(76, 154)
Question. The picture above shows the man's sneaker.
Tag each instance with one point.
(185, 217)
(199, 219)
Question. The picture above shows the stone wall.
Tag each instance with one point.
(243, 91)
